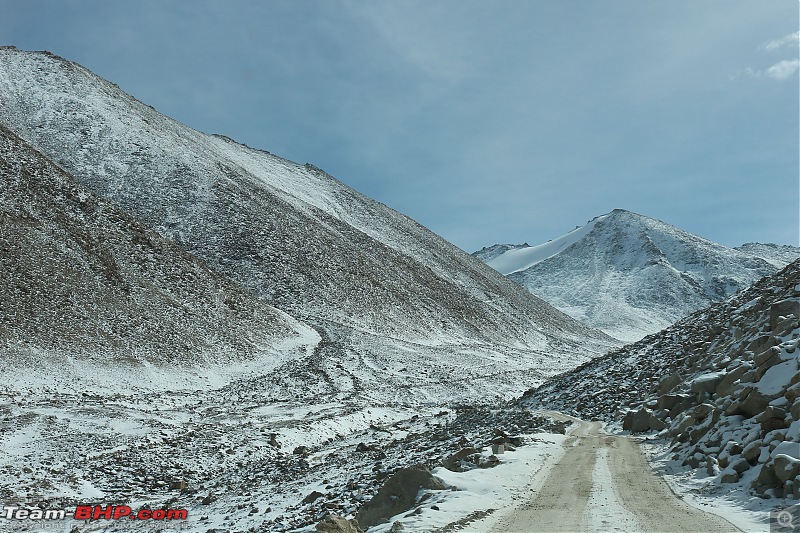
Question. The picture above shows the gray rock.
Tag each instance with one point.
(783, 308)
(755, 403)
(706, 383)
(729, 476)
(787, 467)
(669, 383)
(397, 495)
(338, 524)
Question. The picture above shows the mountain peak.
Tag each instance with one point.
(631, 275)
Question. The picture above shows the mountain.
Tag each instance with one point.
(779, 255)
(631, 275)
(384, 293)
(85, 285)
(721, 387)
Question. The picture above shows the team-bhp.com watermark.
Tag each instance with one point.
(92, 512)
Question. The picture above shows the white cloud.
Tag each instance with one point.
(780, 43)
(783, 70)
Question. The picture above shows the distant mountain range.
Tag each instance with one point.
(386, 297)
(630, 275)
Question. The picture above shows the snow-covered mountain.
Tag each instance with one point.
(721, 386)
(631, 275)
(85, 285)
(371, 281)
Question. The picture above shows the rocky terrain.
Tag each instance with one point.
(630, 275)
(721, 388)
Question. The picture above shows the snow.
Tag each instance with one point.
(524, 258)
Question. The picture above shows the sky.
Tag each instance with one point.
(489, 122)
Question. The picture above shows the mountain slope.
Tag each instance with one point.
(369, 279)
(722, 386)
(83, 282)
(631, 275)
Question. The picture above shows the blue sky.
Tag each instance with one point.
(492, 121)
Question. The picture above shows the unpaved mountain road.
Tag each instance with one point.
(604, 483)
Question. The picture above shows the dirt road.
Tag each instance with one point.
(604, 483)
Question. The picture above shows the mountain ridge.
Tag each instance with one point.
(632, 275)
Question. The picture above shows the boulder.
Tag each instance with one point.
(739, 466)
(706, 383)
(783, 308)
(729, 476)
(766, 479)
(669, 383)
(669, 401)
(397, 495)
(761, 343)
(786, 466)
(338, 524)
(453, 462)
(641, 420)
(725, 386)
(754, 404)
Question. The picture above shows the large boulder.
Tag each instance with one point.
(640, 420)
(337, 524)
(706, 383)
(783, 308)
(786, 466)
(397, 495)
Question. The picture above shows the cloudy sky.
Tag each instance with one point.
(491, 121)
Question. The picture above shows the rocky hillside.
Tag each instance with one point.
(722, 386)
(630, 275)
(292, 234)
(83, 280)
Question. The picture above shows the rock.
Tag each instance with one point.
(338, 524)
(752, 451)
(669, 401)
(453, 462)
(300, 450)
(669, 383)
(754, 404)
(786, 466)
(682, 425)
(740, 465)
(766, 479)
(702, 411)
(362, 448)
(488, 462)
(729, 476)
(783, 308)
(761, 343)
(396, 526)
(767, 355)
(313, 496)
(772, 411)
(706, 383)
(397, 495)
(209, 499)
(771, 424)
(725, 386)
(641, 420)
